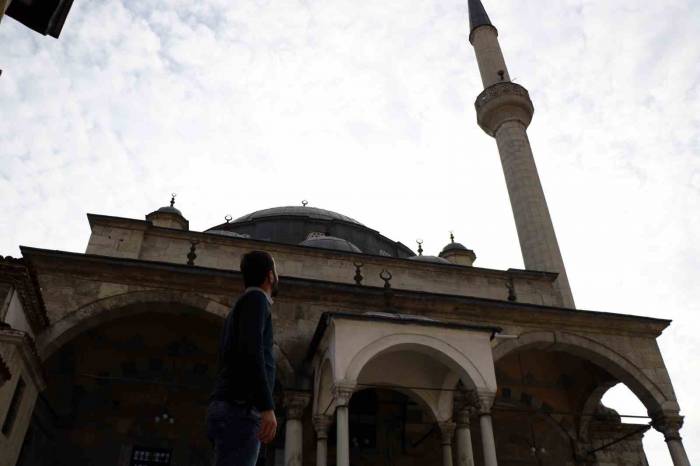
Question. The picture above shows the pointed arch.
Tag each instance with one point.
(441, 350)
(104, 310)
(603, 356)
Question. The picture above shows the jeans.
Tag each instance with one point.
(233, 430)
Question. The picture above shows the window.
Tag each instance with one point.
(14, 408)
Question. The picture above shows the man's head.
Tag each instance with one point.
(258, 268)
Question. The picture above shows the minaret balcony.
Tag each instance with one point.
(502, 102)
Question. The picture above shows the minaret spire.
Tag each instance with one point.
(504, 111)
(477, 15)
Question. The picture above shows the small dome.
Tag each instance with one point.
(433, 259)
(169, 217)
(330, 242)
(233, 234)
(458, 254)
(169, 210)
(453, 247)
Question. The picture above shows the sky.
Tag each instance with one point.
(366, 108)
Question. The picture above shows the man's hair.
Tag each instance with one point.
(255, 266)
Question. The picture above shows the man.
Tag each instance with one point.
(241, 410)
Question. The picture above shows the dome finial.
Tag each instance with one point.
(172, 199)
(304, 203)
(420, 246)
(452, 237)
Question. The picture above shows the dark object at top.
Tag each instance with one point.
(43, 16)
(477, 15)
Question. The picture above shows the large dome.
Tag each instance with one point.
(297, 211)
(296, 224)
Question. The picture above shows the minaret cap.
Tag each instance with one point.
(477, 15)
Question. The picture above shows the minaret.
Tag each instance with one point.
(504, 110)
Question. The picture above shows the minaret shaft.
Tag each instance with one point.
(489, 55)
(538, 242)
(504, 111)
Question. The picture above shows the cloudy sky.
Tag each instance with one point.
(366, 108)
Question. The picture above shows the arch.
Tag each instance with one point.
(536, 405)
(414, 395)
(590, 406)
(448, 354)
(128, 304)
(527, 420)
(597, 353)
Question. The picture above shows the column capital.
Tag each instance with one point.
(447, 431)
(465, 404)
(342, 391)
(322, 423)
(486, 400)
(668, 424)
(296, 402)
(463, 417)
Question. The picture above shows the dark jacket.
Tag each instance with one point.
(246, 359)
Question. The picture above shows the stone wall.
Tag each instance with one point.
(136, 239)
(615, 452)
(82, 292)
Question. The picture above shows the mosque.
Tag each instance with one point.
(384, 356)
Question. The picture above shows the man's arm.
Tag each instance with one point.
(253, 315)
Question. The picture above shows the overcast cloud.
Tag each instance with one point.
(366, 108)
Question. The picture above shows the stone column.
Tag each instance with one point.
(487, 439)
(295, 402)
(670, 425)
(321, 424)
(447, 431)
(342, 393)
(465, 453)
